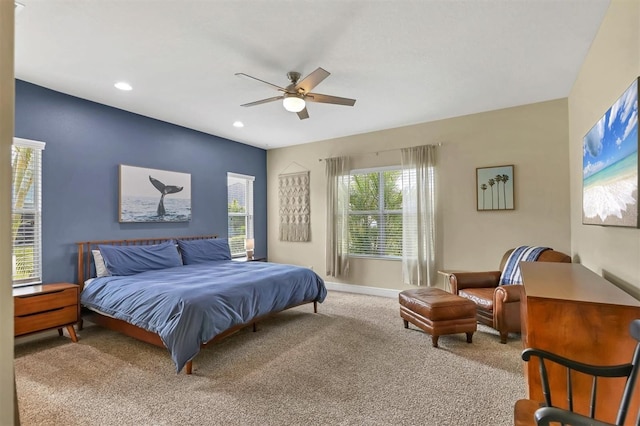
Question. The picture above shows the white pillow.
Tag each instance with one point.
(98, 261)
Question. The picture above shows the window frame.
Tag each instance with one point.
(381, 208)
(35, 210)
(248, 181)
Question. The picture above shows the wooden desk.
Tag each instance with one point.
(571, 311)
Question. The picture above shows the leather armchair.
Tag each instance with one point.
(497, 306)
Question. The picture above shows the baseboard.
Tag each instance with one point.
(361, 289)
(47, 334)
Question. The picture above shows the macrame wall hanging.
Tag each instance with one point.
(295, 208)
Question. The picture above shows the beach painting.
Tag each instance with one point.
(494, 188)
(151, 195)
(610, 165)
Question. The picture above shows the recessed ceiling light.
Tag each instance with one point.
(123, 86)
(238, 124)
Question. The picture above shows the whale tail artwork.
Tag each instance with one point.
(164, 190)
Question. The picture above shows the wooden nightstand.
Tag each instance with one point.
(46, 306)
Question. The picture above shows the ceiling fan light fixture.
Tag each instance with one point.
(293, 103)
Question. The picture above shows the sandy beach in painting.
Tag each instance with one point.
(614, 199)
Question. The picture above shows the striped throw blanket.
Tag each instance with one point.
(511, 273)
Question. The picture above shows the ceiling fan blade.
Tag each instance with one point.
(263, 101)
(312, 80)
(328, 99)
(303, 114)
(241, 74)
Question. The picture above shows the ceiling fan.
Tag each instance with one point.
(296, 94)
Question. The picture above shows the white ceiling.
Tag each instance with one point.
(405, 62)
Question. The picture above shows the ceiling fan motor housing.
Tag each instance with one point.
(293, 77)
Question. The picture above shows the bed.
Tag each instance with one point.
(184, 293)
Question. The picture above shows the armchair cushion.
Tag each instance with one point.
(480, 296)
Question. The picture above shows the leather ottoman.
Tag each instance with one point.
(438, 312)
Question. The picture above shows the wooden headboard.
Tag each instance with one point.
(85, 259)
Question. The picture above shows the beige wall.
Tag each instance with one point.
(534, 138)
(6, 137)
(609, 68)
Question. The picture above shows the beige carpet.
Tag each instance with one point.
(353, 363)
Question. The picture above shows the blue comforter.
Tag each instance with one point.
(189, 305)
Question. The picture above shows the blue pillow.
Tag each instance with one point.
(198, 251)
(129, 260)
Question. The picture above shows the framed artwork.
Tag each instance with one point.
(494, 188)
(610, 165)
(151, 195)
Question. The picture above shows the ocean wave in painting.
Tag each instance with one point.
(612, 192)
(145, 209)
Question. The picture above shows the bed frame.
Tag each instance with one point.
(85, 271)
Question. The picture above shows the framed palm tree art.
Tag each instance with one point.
(494, 188)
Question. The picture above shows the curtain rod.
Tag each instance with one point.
(384, 150)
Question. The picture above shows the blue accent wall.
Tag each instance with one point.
(85, 144)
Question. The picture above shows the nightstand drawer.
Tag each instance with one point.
(45, 320)
(38, 302)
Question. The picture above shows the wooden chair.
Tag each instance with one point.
(528, 412)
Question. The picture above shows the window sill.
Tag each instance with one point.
(254, 259)
(369, 257)
(25, 284)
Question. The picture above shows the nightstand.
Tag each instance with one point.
(44, 307)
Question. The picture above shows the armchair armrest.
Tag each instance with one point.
(507, 293)
(547, 415)
(461, 280)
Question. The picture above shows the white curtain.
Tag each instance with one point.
(337, 216)
(418, 215)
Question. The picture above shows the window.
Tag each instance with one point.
(240, 210)
(26, 229)
(375, 212)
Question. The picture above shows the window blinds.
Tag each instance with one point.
(26, 217)
(375, 213)
(240, 211)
